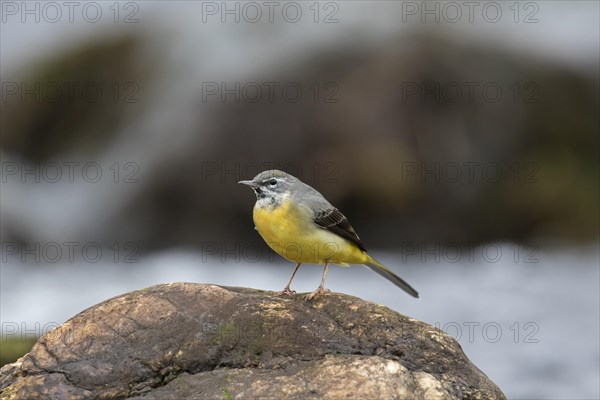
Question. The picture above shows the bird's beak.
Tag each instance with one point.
(249, 183)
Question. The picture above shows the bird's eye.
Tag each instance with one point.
(273, 182)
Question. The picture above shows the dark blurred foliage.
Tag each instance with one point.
(68, 103)
(11, 349)
(543, 133)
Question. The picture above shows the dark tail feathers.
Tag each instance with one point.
(390, 276)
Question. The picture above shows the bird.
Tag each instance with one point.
(300, 225)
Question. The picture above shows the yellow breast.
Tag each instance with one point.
(291, 233)
(281, 225)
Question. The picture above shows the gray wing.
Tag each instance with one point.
(326, 215)
(333, 220)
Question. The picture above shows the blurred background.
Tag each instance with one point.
(459, 138)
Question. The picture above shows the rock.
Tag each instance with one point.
(195, 341)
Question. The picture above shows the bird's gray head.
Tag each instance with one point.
(272, 186)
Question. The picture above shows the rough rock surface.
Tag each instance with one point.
(194, 341)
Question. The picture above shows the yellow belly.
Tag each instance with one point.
(292, 234)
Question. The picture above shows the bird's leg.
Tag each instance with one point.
(321, 289)
(286, 290)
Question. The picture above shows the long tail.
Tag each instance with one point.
(390, 276)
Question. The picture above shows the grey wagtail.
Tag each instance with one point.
(300, 225)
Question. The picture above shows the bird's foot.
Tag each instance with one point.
(320, 291)
(285, 292)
